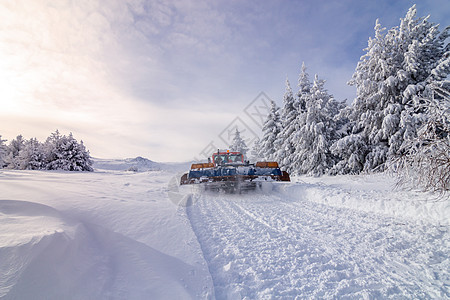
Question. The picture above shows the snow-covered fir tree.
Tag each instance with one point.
(256, 151)
(284, 144)
(12, 157)
(32, 156)
(53, 155)
(3, 152)
(81, 159)
(395, 69)
(351, 150)
(426, 163)
(65, 153)
(239, 143)
(16, 145)
(59, 152)
(317, 130)
(303, 97)
(271, 130)
(304, 87)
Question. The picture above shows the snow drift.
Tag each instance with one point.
(43, 250)
(374, 193)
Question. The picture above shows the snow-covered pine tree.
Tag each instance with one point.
(283, 144)
(396, 62)
(52, 148)
(16, 145)
(3, 152)
(239, 144)
(256, 151)
(271, 130)
(426, 164)
(32, 156)
(304, 87)
(303, 97)
(81, 159)
(12, 158)
(351, 150)
(317, 131)
(65, 153)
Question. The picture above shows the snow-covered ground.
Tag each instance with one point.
(116, 234)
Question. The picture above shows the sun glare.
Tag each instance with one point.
(9, 94)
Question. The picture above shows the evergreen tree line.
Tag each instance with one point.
(399, 119)
(59, 152)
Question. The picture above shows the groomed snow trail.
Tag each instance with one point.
(269, 245)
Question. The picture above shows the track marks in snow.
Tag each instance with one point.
(269, 245)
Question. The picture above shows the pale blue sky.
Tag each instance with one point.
(163, 79)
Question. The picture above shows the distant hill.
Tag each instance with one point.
(137, 164)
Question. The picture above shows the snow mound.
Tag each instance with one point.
(374, 193)
(47, 255)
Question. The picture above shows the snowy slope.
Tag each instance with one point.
(96, 236)
(114, 234)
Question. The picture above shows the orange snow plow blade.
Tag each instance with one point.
(266, 164)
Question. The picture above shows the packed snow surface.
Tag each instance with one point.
(116, 234)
